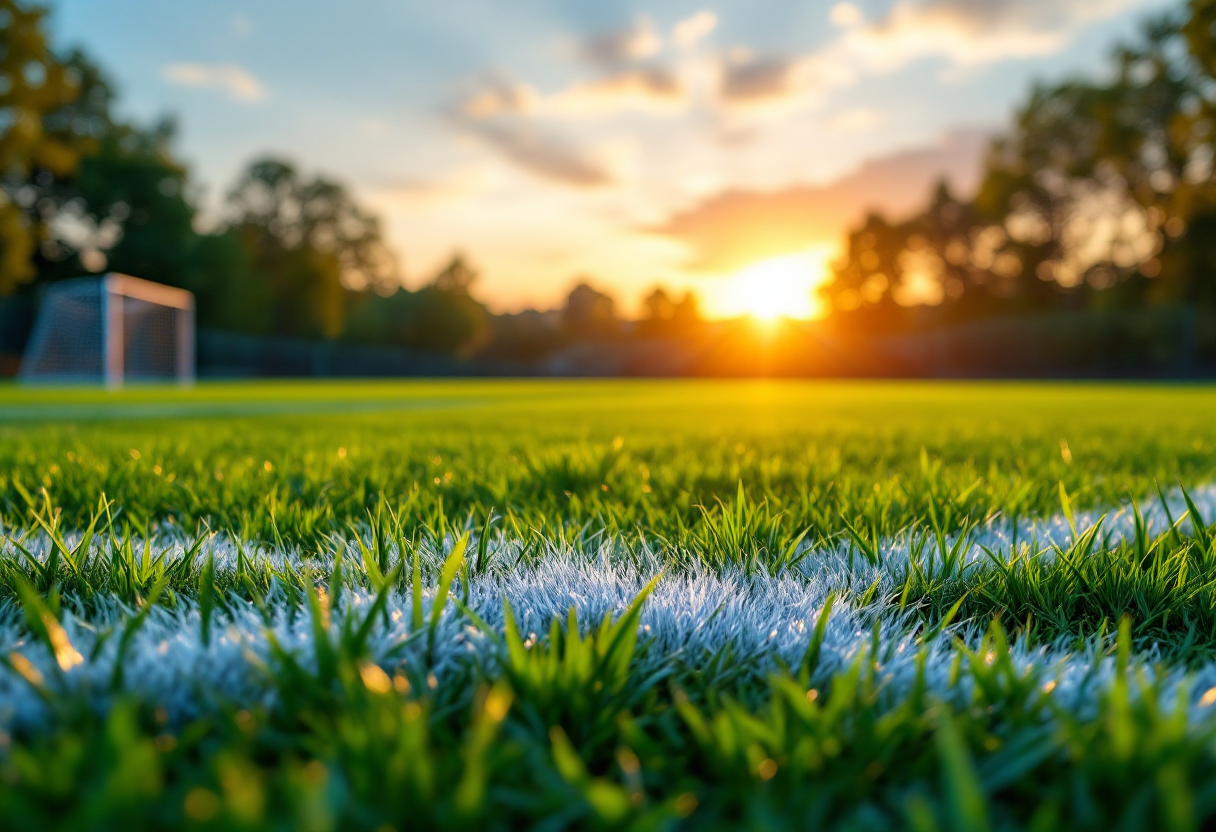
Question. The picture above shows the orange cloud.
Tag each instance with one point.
(649, 85)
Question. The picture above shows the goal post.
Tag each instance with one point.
(112, 329)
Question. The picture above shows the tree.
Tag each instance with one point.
(529, 335)
(446, 318)
(589, 312)
(134, 182)
(441, 317)
(1100, 182)
(664, 316)
(457, 276)
(123, 206)
(687, 311)
(865, 276)
(658, 305)
(311, 243)
(1102, 194)
(229, 291)
(33, 83)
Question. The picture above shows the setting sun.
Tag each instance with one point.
(781, 287)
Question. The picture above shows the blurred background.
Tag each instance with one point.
(984, 188)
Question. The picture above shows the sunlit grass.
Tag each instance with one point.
(608, 605)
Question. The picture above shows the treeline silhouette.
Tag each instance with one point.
(1100, 203)
(1089, 249)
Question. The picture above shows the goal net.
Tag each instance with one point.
(114, 329)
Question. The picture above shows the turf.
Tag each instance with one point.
(608, 605)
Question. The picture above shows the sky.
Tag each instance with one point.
(722, 148)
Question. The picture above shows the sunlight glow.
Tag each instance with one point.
(781, 287)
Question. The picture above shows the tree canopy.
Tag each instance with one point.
(33, 84)
(1101, 195)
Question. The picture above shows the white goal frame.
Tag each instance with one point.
(115, 291)
(118, 286)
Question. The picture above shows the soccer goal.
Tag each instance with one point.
(112, 328)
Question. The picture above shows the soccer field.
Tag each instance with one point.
(608, 604)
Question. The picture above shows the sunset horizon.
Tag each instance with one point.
(671, 144)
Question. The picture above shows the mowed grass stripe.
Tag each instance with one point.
(629, 457)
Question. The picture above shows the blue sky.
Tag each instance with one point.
(635, 142)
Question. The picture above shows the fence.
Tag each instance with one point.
(1167, 342)
(230, 355)
(1150, 343)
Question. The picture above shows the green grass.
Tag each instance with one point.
(623, 456)
(383, 539)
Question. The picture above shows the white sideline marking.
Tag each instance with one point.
(689, 617)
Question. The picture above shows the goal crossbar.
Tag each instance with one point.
(120, 286)
(140, 289)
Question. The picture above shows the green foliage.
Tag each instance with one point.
(33, 83)
(433, 319)
(126, 200)
(306, 238)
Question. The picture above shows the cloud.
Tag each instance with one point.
(500, 95)
(691, 31)
(737, 228)
(752, 79)
(237, 81)
(630, 77)
(646, 86)
(969, 32)
(639, 40)
(748, 82)
(651, 86)
(423, 194)
(965, 32)
(854, 121)
(515, 118)
(542, 153)
(846, 14)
